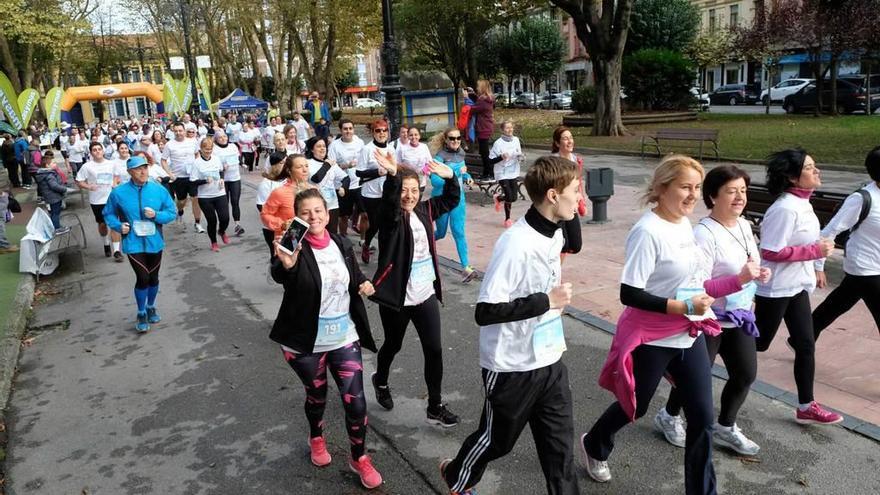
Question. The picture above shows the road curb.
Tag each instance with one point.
(852, 423)
(10, 345)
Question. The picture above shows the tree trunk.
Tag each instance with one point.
(9, 63)
(607, 119)
(833, 66)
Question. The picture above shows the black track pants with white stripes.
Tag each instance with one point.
(540, 398)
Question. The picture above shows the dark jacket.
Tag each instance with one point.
(396, 240)
(296, 325)
(49, 185)
(484, 110)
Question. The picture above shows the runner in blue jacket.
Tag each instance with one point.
(137, 209)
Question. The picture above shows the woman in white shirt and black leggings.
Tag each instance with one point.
(792, 249)
(861, 264)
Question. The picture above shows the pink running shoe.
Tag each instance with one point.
(508, 223)
(498, 203)
(817, 415)
(320, 456)
(225, 238)
(215, 247)
(370, 478)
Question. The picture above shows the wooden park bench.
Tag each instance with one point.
(699, 136)
(489, 187)
(825, 204)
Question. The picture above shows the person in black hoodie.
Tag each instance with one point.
(407, 279)
(322, 324)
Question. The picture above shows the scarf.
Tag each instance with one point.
(507, 138)
(318, 242)
(800, 192)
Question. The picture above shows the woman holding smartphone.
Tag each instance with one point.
(322, 325)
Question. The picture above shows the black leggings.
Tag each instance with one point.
(426, 319)
(795, 310)
(333, 223)
(690, 369)
(484, 155)
(371, 207)
(737, 349)
(347, 371)
(215, 209)
(233, 194)
(510, 192)
(844, 297)
(247, 157)
(146, 269)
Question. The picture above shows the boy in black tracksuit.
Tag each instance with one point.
(519, 311)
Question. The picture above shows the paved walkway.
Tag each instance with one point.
(847, 375)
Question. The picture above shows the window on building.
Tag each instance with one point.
(119, 106)
(141, 105)
(734, 15)
(157, 76)
(732, 76)
(126, 76)
(96, 109)
(135, 75)
(712, 20)
(114, 77)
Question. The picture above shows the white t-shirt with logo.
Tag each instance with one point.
(335, 299)
(228, 156)
(366, 161)
(415, 158)
(331, 182)
(663, 258)
(233, 129)
(789, 221)
(121, 170)
(246, 140)
(180, 156)
(420, 285)
(506, 169)
(863, 248)
(204, 169)
(344, 153)
(302, 129)
(524, 262)
(100, 174)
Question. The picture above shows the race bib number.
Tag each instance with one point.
(742, 299)
(329, 194)
(230, 160)
(332, 331)
(422, 272)
(213, 175)
(143, 228)
(104, 179)
(685, 293)
(548, 338)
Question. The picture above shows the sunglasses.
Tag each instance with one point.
(453, 138)
(380, 130)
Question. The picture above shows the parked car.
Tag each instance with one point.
(777, 94)
(503, 99)
(734, 94)
(702, 99)
(525, 100)
(861, 80)
(850, 98)
(555, 101)
(366, 103)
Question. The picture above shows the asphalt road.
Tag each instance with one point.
(205, 404)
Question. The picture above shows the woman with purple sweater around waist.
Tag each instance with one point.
(726, 238)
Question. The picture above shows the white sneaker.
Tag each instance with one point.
(672, 427)
(598, 470)
(199, 228)
(732, 437)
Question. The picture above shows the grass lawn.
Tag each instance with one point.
(843, 140)
(9, 275)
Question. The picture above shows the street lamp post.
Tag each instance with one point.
(195, 107)
(390, 77)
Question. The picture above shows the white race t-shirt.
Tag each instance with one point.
(789, 221)
(233, 129)
(100, 174)
(863, 247)
(204, 169)
(246, 140)
(302, 129)
(373, 188)
(346, 153)
(76, 151)
(265, 189)
(661, 258)
(332, 181)
(420, 285)
(507, 169)
(121, 170)
(729, 249)
(157, 173)
(335, 327)
(228, 156)
(524, 262)
(415, 158)
(180, 156)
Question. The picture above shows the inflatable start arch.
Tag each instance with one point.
(72, 96)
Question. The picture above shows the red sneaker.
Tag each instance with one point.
(817, 415)
(320, 456)
(215, 247)
(498, 203)
(370, 478)
(224, 238)
(508, 223)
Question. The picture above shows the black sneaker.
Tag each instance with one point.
(383, 394)
(107, 251)
(238, 230)
(117, 257)
(441, 416)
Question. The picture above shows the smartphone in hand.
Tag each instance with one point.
(293, 236)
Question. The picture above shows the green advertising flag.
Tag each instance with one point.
(184, 95)
(52, 105)
(27, 103)
(4, 127)
(9, 103)
(169, 94)
(203, 87)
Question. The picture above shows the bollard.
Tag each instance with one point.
(600, 187)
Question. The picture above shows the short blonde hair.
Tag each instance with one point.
(666, 172)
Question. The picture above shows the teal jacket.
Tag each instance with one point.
(455, 161)
(126, 204)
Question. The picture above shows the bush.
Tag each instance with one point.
(658, 80)
(336, 115)
(583, 100)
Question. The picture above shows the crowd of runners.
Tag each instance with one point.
(691, 291)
